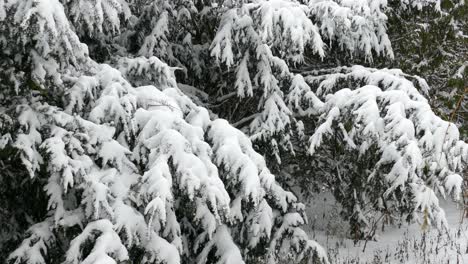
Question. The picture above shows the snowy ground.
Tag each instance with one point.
(408, 244)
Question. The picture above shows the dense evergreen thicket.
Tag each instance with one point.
(433, 43)
(172, 131)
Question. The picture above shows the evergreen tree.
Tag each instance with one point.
(135, 164)
(368, 135)
(432, 42)
(129, 167)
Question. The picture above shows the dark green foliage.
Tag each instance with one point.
(23, 200)
(434, 45)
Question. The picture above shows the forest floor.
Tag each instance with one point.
(408, 244)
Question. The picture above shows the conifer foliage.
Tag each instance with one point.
(435, 46)
(367, 134)
(132, 169)
(110, 116)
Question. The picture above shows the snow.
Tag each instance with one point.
(130, 159)
(355, 25)
(400, 123)
(229, 148)
(159, 248)
(243, 82)
(97, 17)
(453, 184)
(156, 41)
(405, 244)
(226, 250)
(300, 91)
(107, 244)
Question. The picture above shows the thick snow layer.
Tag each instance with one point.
(409, 244)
